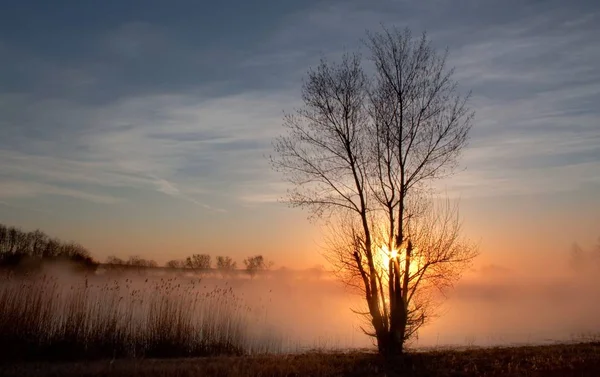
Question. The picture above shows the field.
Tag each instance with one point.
(64, 324)
(556, 360)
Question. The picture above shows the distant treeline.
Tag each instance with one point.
(30, 249)
(197, 262)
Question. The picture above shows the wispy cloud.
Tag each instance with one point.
(20, 207)
(198, 150)
(151, 107)
(536, 127)
(26, 189)
(535, 86)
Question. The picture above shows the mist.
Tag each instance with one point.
(510, 309)
(300, 310)
(493, 306)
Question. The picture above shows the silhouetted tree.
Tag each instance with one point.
(255, 264)
(72, 249)
(34, 247)
(51, 248)
(175, 263)
(22, 243)
(225, 265)
(39, 240)
(198, 262)
(13, 235)
(362, 152)
(138, 261)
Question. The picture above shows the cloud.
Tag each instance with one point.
(26, 208)
(185, 147)
(535, 87)
(167, 187)
(24, 189)
(148, 105)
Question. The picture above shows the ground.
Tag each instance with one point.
(556, 360)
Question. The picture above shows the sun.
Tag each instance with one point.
(387, 253)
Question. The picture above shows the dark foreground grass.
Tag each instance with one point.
(556, 360)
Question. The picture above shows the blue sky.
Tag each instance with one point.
(138, 127)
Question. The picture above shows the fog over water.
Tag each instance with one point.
(298, 311)
(493, 306)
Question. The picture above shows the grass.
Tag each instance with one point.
(137, 325)
(554, 361)
(52, 318)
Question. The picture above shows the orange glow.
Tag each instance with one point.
(388, 254)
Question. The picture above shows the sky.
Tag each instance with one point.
(144, 128)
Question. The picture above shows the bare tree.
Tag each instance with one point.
(226, 265)
(16, 245)
(255, 264)
(72, 249)
(362, 153)
(198, 262)
(138, 261)
(22, 243)
(39, 241)
(13, 235)
(175, 263)
(51, 248)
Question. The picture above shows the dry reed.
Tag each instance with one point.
(47, 317)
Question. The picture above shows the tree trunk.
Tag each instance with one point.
(383, 344)
(395, 339)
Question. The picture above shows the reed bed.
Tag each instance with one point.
(49, 317)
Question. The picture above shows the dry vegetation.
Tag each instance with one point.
(48, 317)
(557, 360)
(142, 325)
